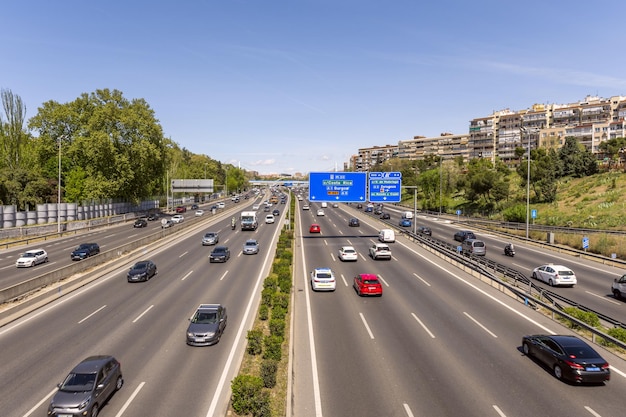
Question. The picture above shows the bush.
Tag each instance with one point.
(266, 296)
(255, 339)
(263, 312)
(278, 312)
(277, 327)
(269, 367)
(244, 393)
(273, 346)
(588, 318)
(280, 300)
(618, 333)
(261, 407)
(271, 282)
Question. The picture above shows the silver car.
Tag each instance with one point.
(87, 387)
(31, 258)
(251, 247)
(210, 238)
(206, 325)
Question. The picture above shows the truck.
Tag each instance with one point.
(249, 220)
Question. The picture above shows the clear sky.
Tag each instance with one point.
(284, 86)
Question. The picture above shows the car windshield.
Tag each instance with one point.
(205, 317)
(141, 265)
(250, 243)
(28, 255)
(78, 382)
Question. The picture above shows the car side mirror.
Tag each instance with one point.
(615, 280)
(100, 386)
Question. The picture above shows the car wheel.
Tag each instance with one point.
(617, 294)
(32, 264)
(526, 349)
(94, 411)
(534, 276)
(119, 383)
(558, 372)
(550, 282)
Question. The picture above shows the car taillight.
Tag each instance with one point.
(574, 365)
(605, 366)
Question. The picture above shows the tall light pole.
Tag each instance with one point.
(59, 189)
(522, 131)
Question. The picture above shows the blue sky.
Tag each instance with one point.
(282, 86)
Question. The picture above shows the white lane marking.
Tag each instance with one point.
(332, 255)
(407, 410)
(479, 324)
(421, 279)
(381, 278)
(345, 282)
(92, 314)
(224, 275)
(36, 406)
(366, 326)
(592, 412)
(188, 273)
(500, 413)
(423, 326)
(603, 297)
(142, 314)
(130, 399)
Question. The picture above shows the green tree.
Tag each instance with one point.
(111, 147)
(576, 160)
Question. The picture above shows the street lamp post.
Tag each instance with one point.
(522, 131)
(59, 189)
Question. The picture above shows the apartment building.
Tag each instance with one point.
(591, 121)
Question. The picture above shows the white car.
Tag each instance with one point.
(31, 258)
(348, 253)
(380, 251)
(178, 218)
(255, 207)
(221, 205)
(320, 212)
(305, 207)
(269, 219)
(555, 275)
(199, 212)
(323, 279)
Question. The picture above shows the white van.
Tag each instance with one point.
(407, 215)
(387, 236)
(324, 204)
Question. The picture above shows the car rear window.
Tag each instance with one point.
(479, 244)
(323, 275)
(565, 272)
(370, 281)
(580, 352)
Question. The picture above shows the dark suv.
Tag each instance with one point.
(461, 235)
(87, 387)
(85, 250)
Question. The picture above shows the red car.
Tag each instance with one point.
(315, 228)
(367, 284)
(181, 209)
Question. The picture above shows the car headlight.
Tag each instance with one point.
(189, 334)
(85, 403)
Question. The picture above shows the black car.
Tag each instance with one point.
(461, 235)
(207, 325)
(85, 250)
(425, 230)
(194, 207)
(276, 213)
(568, 357)
(219, 254)
(142, 271)
(359, 206)
(385, 216)
(87, 387)
(153, 216)
(141, 223)
(354, 222)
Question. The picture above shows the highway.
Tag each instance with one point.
(437, 343)
(143, 325)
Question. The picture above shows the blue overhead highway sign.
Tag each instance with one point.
(385, 187)
(341, 187)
